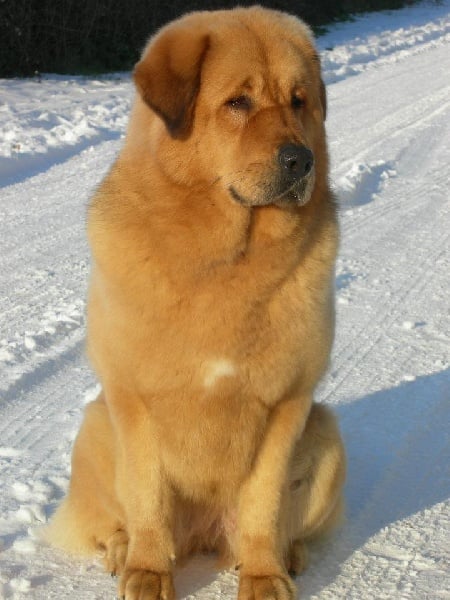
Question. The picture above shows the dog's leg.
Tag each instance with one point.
(116, 552)
(261, 554)
(90, 513)
(313, 503)
(146, 498)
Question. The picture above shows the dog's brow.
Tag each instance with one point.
(302, 83)
(248, 84)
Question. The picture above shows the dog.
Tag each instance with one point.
(211, 315)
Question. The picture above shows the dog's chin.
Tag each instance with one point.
(293, 197)
(296, 195)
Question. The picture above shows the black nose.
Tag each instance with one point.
(296, 161)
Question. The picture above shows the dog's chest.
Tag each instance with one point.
(208, 442)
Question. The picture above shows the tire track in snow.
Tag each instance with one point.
(394, 126)
(44, 289)
(418, 139)
(366, 337)
(14, 398)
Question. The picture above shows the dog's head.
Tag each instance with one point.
(240, 105)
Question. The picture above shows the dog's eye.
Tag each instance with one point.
(297, 102)
(240, 103)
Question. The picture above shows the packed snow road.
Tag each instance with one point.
(389, 382)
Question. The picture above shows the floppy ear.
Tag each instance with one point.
(168, 76)
(322, 90)
(323, 98)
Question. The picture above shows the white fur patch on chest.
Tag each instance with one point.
(213, 370)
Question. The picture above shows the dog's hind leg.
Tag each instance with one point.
(313, 501)
(90, 514)
(116, 552)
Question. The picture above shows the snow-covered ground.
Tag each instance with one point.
(389, 133)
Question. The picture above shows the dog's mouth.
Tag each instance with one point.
(298, 194)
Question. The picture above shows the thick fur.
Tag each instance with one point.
(211, 316)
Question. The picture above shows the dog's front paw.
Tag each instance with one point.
(138, 584)
(267, 587)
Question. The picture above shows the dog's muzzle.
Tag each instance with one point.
(296, 179)
(292, 180)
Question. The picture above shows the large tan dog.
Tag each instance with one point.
(211, 315)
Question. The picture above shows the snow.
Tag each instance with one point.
(389, 381)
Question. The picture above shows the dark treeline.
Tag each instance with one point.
(88, 36)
